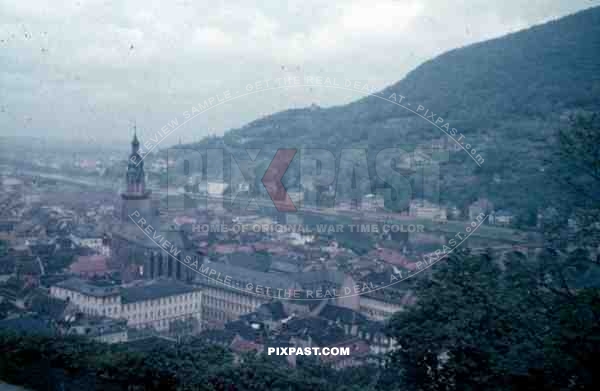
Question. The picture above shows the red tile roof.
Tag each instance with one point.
(90, 264)
(394, 257)
(240, 345)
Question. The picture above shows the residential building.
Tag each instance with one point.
(216, 188)
(502, 217)
(97, 244)
(427, 210)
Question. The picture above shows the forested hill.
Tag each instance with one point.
(545, 69)
(506, 95)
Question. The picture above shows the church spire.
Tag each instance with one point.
(135, 144)
(135, 197)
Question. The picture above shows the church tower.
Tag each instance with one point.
(136, 196)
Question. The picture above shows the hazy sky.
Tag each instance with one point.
(89, 68)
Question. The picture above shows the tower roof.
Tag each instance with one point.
(135, 139)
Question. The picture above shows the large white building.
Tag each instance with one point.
(223, 303)
(159, 304)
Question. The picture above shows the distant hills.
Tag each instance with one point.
(508, 96)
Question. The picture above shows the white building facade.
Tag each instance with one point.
(156, 304)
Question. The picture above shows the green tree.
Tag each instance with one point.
(507, 321)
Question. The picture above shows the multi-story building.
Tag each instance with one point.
(161, 304)
(226, 302)
(158, 304)
(92, 298)
(377, 308)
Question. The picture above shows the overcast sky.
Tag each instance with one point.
(89, 68)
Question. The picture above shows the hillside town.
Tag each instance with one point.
(78, 263)
(373, 195)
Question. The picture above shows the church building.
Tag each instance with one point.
(136, 253)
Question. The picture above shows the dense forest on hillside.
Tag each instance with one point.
(508, 97)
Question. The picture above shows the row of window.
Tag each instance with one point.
(232, 296)
(162, 302)
(110, 311)
(166, 312)
(227, 305)
(214, 314)
(83, 298)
